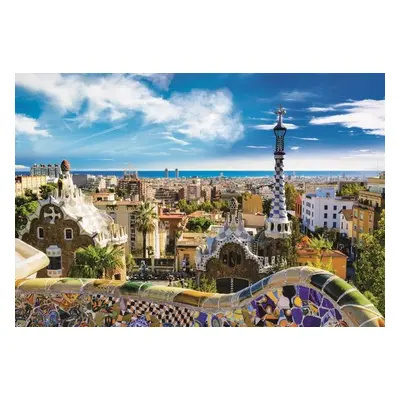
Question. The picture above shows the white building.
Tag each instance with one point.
(321, 209)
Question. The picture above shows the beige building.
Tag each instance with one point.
(186, 248)
(123, 213)
(33, 183)
(346, 223)
(252, 205)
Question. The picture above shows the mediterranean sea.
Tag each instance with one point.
(226, 174)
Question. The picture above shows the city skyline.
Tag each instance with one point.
(199, 121)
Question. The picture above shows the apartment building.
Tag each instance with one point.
(321, 209)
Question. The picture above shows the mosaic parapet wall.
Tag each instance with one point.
(300, 296)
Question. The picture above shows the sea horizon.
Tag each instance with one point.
(217, 173)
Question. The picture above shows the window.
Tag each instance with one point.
(334, 225)
(341, 225)
(355, 213)
(355, 228)
(68, 234)
(344, 207)
(361, 230)
(335, 208)
(40, 233)
(325, 224)
(312, 222)
(334, 216)
(325, 207)
(313, 206)
(312, 214)
(325, 215)
(361, 216)
(370, 217)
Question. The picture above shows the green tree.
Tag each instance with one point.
(350, 189)
(208, 286)
(146, 220)
(267, 206)
(370, 265)
(321, 245)
(289, 245)
(130, 263)
(24, 207)
(96, 262)
(290, 194)
(47, 190)
(198, 224)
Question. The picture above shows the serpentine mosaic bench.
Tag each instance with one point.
(299, 296)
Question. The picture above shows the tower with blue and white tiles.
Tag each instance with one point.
(277, 224)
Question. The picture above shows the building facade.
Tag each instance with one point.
(53, 171)
(66, 221)
(321, 209)
(24, 182)
(368, 209)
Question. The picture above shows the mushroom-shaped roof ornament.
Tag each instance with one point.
(65, 166)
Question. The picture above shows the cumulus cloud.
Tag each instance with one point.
(368, 115)
(258, 147)
(268, 127)
(29, 126)
(294, 148)
(19, 166)
(201, 114)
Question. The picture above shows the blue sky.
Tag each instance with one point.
(199, 121)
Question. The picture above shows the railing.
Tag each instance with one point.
(300, 296)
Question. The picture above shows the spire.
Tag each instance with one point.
(277, 224)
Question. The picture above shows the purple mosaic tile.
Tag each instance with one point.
(297, 314)
(311, 321)
(327, 303)
(303, 292)
(315, 297)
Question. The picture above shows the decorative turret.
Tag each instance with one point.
(277, 225)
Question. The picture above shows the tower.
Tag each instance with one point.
(270, 242)
(166, 173)
(277, 225)
(176, 173)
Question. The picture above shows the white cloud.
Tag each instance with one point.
(156, 153)
(294, 148)
(179, 149)
(258, 147)
(259, 119)
(320, 109)
(368, 115)
(305, 138)
(202, 114)
(160, 80)
(269, 127)
(364, 150)
(169, 136)
(29, 126)
(296, 95)
(19, 167)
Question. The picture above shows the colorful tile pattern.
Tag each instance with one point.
(296, 297)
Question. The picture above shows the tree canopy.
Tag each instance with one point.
(199, 224)
(145, 220)
(24, 206)
(46, 190)
(370, 265)
(290, 194)
(96, 262)
(350, 189)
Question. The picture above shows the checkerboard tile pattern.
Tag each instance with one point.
(278, 209)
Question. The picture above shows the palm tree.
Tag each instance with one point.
(96, 262)
(145, 220)
(320, 244)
